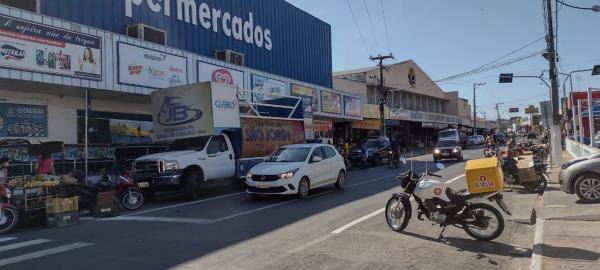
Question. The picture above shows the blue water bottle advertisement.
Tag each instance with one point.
(22, 120)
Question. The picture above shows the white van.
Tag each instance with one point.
(453, 134)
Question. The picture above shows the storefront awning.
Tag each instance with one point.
(372, 124)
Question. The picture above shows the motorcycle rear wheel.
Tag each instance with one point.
(483, 215)
(132, 200)
(396, 214)
(10, 218)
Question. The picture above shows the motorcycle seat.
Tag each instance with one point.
(459, 196)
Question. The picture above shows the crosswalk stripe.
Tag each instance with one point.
(4, 239)
(24, 244)
(42, 253)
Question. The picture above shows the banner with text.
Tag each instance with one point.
(35, 47)
(331, 102)
(215, 73)
(23, 120)
(266, 86)
(352, 106)
(299, 90)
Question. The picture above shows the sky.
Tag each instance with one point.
(446, 38)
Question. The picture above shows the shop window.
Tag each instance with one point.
(98, 131)
(147, 33)
(29, 5)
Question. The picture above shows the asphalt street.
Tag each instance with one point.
(331, 229)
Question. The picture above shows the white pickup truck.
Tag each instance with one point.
(209, 139)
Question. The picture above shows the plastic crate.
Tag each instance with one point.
(62, 205)
(484, 175)
(63, 219)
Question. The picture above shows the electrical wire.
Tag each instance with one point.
(387, 35)
(371, 24)
(575, 7)
(358, 28)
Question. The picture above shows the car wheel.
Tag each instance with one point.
(341, 180)
(460, 158)
(303, 188)
(587, 188)
(191, 182)
(377, 160)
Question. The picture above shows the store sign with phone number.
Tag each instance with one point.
(35, 47)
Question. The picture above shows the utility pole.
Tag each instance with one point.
(475, 108)
(382, 91)
(556, 138)
(498, 112)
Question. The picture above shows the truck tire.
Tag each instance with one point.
(191, 184)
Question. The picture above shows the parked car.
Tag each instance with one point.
(475, 140)
(377, 152)
(500, 138)
(295, 169)
(582, 177)
(445, 149)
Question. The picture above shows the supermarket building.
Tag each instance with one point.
(52, 51)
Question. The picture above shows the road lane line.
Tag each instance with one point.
(42, 253)
(455, 179)
(254, 210)
(538, 240)
(4, 239)
(345, 227)
(163, 219)
(183, 204)
(24, 244)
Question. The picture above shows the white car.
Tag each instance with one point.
(295, 169)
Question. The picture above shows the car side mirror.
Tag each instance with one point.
(317, 159)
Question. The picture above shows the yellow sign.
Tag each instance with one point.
(372, 111)
(367, 124)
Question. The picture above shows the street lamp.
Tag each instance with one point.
(475, 85)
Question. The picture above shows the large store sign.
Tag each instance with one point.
(352, 106)
(23, 120)
(35, 47)
(331, 102)
(139, 66)
(265, 87)
(216, 20)
(215, 73)
(408, 115)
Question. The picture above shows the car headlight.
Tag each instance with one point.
(166, 165)
(436, 151)
(288, 175)
(455, 150)
(249, 176)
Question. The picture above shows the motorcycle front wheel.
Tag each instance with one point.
(397, 214)
(483, 222)
(8, 219)
(132, 200)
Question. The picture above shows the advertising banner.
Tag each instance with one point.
(262, 136)
(331, 102)
(130, 131)
(299, 90)
(372, 111)
(309, 130)
(267, 86)
(352, 106)
(139, 66)
(23, 120)
(226, 109)
(35, 47)
(307, 107)
(373, 124)
(215, 73)
(182, 112)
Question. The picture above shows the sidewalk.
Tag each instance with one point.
(567, 232)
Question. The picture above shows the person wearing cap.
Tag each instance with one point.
(3, 171)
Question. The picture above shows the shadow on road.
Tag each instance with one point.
(570, 253)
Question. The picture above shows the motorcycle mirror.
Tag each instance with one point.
(440, 166)
(403, 160)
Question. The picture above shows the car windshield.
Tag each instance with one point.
(284, 154)
(446, 143)
(372, 144)
(446, 134)
(196, 143)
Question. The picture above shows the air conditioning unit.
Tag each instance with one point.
(147, 33)
(230, 56)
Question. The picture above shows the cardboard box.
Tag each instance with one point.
(105, 199)
(526, 170)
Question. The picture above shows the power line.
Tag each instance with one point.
(571, 6)
(371, 24)
(358, 28)
(387, 35)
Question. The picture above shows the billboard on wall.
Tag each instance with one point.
(265, 86)
(182, 112)
(299, 90)
(225, 107)
(352, 106)
(261, 136)
(130, 131)
(23, 120)
(36, 47)
(331, 102)
(214, 73)
(139, 66)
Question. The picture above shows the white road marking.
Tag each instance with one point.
(164, 219)
(255, 210)
(24, 244)
(42, 253)
(455, 179)
(183, 204)
(538, 239)
(345, 227)
(4, 239)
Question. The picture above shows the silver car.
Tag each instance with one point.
(582, 176)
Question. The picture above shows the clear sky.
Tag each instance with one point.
(448, 37)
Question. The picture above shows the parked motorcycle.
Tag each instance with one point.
(490, 151)
(9, 215)
(444, 206)
(511, 174)
(130, 195)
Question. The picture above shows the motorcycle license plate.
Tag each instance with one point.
(262, 185)
(143, 184)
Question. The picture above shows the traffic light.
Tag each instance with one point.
(506, 78)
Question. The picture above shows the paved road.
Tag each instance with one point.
(228, 230)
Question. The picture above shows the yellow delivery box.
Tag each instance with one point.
(484, 175)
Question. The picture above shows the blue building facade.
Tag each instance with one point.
(273, 35)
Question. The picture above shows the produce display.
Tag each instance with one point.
(35, 182)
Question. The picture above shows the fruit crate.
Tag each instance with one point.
(63, 219)
(30, 199)
(62, 205)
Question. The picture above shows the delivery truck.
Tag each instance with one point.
(215, 132)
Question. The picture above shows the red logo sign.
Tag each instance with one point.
(482, 178)
(437, 191)
(134, 69)
(222, 76)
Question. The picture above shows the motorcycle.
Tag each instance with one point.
(130, 195)
(511, 174)
(346, 160)
(444, 206)
(393, 159)
(490, 151)
(9, 215)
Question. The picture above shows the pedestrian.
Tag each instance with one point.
(3, 171)
(45, 164)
